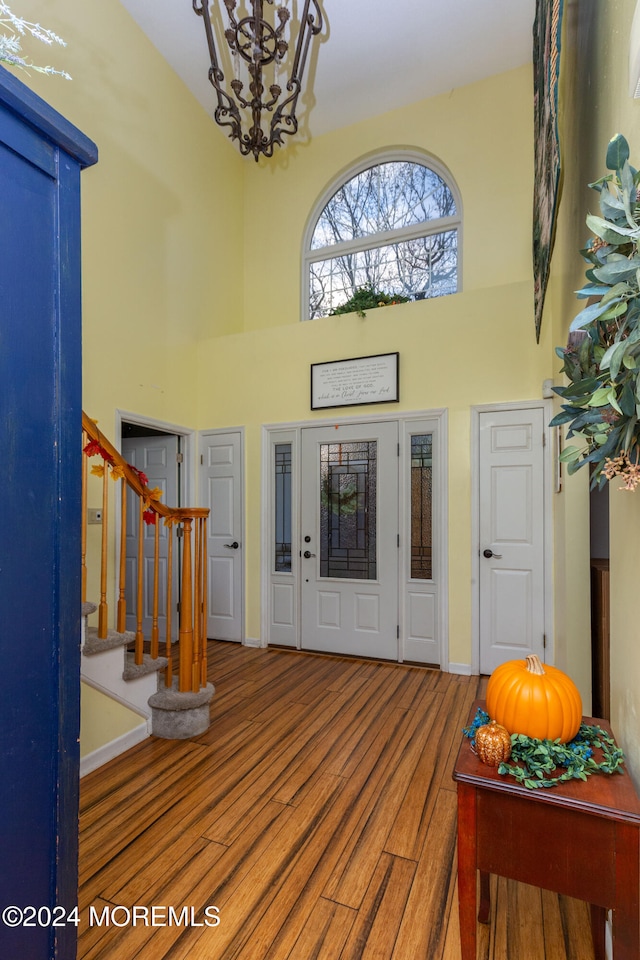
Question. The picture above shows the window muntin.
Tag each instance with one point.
(393, 226)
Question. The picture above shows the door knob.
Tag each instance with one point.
(489, 553)
(233, 546)
(308, 555)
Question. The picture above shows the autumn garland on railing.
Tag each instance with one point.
(94, 448)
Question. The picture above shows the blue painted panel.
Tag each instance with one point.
(40, 467)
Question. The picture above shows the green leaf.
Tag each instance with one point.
(628, 193)
(627, 400)
(620, 269)
(613, 357)
(590, 313)
(617, 152)
(617, 310)
(570, 453)
(592, 289)
(613, 400)
(611, 232)
(600, 398)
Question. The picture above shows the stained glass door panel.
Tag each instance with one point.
(348, 509)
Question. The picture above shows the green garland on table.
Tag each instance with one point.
(538, 760)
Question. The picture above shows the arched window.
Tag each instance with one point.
(393, 227)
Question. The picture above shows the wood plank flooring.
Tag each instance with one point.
(317, 814)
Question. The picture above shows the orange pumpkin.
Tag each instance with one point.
(540, 702)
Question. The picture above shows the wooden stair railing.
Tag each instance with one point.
(187, 523)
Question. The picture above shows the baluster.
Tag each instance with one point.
(186, 612)
(156, 574)
(103, 609)
(122, 602)
(197, 623)
(205, 590)
(84, 518)
(140, 593)
(168, 675)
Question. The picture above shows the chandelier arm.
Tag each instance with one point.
(309, 29)
(226, 113)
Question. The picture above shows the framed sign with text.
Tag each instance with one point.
(360, 380)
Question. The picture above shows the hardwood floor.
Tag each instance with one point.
(317, 814)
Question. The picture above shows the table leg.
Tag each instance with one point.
(598, 920)
(626, 931)
(467, 870)
(485, 898)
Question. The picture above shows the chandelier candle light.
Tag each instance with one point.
(257, 50)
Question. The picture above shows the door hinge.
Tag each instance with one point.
(179, 532)
(544, 439)
(398, 449)
(398, 541)
(544, 641)
(179, 457)
(202, 458)
(398, 632)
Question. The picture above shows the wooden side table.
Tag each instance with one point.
(579, 838)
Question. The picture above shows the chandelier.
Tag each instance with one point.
(255, 54)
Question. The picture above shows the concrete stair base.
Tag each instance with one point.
(178, 716)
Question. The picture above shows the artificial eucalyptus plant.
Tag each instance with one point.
(602, 358)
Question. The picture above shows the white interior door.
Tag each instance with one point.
(222, 490)
(349, 539)
(512, 530)
(157, 457)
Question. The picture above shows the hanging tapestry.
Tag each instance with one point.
(546, 69)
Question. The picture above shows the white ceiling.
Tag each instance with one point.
(375, 55)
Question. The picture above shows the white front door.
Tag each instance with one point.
(349, 539)
(511, 535)
(221, 459)
(157, 458)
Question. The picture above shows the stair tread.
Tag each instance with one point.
(148, 665)
(93, 644)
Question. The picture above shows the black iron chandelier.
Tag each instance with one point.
(256, 52)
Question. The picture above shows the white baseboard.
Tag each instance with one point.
(114, 748)
(464, 669)
(251, 642)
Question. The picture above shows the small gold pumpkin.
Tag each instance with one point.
(493, 743)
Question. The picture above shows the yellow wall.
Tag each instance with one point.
(102, 715)
(161, 214)
(477, 346)
(596, 105)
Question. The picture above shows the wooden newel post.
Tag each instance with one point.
(103, 610)
(186, 613)
(122, 601)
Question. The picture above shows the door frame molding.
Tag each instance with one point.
(189, 450)
(548, 449)
(188, 473)
(440, 520)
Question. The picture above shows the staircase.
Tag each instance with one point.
(163, 679)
